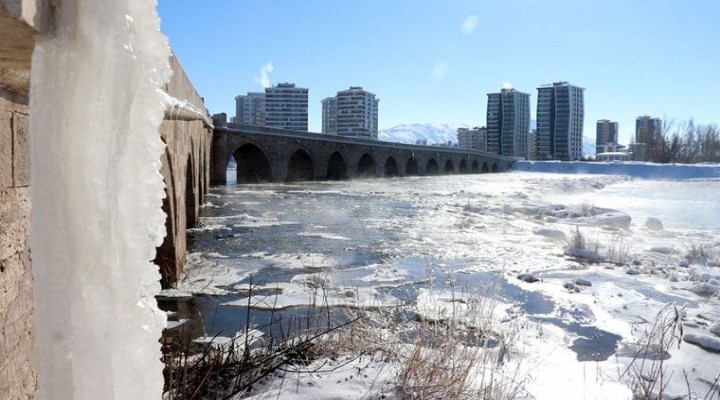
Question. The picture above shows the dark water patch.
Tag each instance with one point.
(593, 343)
(533, 303)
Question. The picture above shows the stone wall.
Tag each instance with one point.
(186, 173)
(16, 302)
(188, 147)
(19, 20)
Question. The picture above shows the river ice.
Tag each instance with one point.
(648, 246)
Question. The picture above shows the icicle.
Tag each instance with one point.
(96, 200)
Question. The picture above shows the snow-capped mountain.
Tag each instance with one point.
(588, 147)
(411, 133)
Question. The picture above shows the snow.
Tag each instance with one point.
(633, 169)
(310, 290)
(410, 133)
(344, 378)
(96, 199)
(174, 294)
(705, 341)
(570, 324)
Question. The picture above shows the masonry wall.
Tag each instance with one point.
(18, 19)
(17, 379)
(186, 173)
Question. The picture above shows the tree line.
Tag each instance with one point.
(684, 143)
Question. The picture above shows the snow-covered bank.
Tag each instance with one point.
(576, 319)
(633, 169)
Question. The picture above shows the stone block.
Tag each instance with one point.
(21, 149)
(6, 144)
(14, 220)
(17, 380)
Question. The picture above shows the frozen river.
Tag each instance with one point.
(389, 242)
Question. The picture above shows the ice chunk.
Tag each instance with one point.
(654, 224)
(705, 341)
(551, 233)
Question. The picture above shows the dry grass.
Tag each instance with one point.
(580, 246)
(459, 357)
(618, 250)
(222, 371)
(647, 374)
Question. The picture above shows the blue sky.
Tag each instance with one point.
(435, 61)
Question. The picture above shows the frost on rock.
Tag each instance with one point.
(96, 199)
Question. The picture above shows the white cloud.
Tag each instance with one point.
(264, 78)
(507, 85)
(440, 70)
(468, 26)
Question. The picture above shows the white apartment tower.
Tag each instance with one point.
(508, 122)
(472, 138)
(356, 115)
(329, 115)
(250, 109)
(286, 107)
(560, 116)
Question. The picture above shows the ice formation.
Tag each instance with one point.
(96, 199)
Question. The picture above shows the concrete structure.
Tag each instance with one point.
(472, 138)
(250, 109)
(329, 115)
(560, 117)
(508, 122)
(286, 107)
(647, 129)
(606, 133)
(185, 169)
(612, 156)
(277, 155)
(357, 113)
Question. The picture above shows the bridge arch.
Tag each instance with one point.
(494, 167)
(449, 167)
(474, 168)
(337, 168)
(432, 167)
(300, 167)
(191, 208)
(391, 168)
(166, 257)
(411, 168)
(463, 169)
(253, 165)
(366, 167)
(485, 168)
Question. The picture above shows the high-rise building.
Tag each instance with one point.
(329, 115)
(606, 133)
(286, 107)
(560, 116)
(532, 145)
(472, 138)
(250, 109)
(508, 122)
(356, 113)
(647, 129)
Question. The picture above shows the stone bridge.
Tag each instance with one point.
(265, 154)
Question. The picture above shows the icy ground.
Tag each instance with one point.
(575, 312)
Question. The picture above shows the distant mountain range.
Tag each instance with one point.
(411, 133)
(436, 133)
